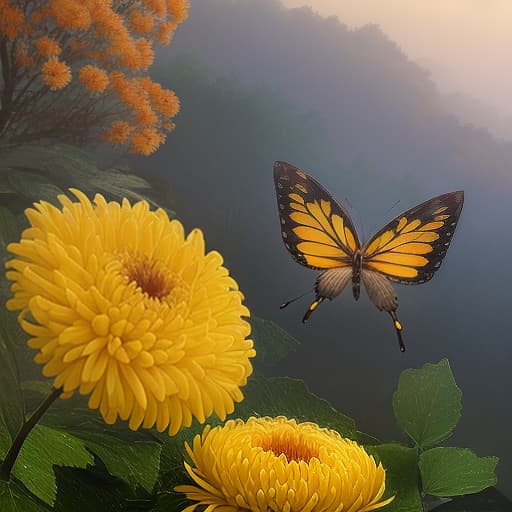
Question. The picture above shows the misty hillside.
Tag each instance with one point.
(379, 106)
(477, 113)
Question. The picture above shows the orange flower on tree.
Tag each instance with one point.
(97, 38)
(47, 47)
(55, 73)
(93, 78)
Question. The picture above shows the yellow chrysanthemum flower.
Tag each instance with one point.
(124, 307)
(94, 79)
(55, 73)
(277, 464)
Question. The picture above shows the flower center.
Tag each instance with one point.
(149, 276)
(291, 444)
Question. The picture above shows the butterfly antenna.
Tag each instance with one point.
(282, 306)
(391, 208)
(398, 328)
(312, 308)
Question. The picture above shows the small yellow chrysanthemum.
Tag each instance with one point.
(55, 73)
(93, 78)
(277, 464)
(121, 305)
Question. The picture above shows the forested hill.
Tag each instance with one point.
(378, 105)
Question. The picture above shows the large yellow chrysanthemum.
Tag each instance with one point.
(279, 465)
(124, 307)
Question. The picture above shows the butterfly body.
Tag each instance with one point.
(319, 233)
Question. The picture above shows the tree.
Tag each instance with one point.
(74, 71)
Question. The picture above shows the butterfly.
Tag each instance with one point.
(319, 233)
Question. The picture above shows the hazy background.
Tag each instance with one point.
(465, 44)
(259, 83)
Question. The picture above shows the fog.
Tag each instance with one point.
(260, 83)
(466, 45)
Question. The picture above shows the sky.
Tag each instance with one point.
(466, 44)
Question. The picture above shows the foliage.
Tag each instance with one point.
(427, 405)
(72, 70)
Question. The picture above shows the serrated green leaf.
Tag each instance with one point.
(43, 448)
(283, 396)
(400, 464)
(14, 498)
(135, 462)
(272, 343)
(427, 403)
(449, 471)
(12, 410)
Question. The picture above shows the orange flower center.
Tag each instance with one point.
(292, 445)
(149, 276)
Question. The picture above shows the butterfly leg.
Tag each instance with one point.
(398, 328)
(312, 308)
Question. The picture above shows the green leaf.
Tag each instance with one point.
(272, 343)
(133, 457)
(43, 448)
(427, 403)
(14, 498)
(10, 228)
(400, 464)
(80, 490)
(12, 410)
(33, 186)
(42, 171)
(283, 396)
(135, 462)
(455, 471)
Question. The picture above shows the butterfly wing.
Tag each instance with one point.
(411, 247)
(316, 229)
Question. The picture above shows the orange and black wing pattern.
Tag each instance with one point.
(316, 229)
(411, 247)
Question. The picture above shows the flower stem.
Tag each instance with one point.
(14, 450)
